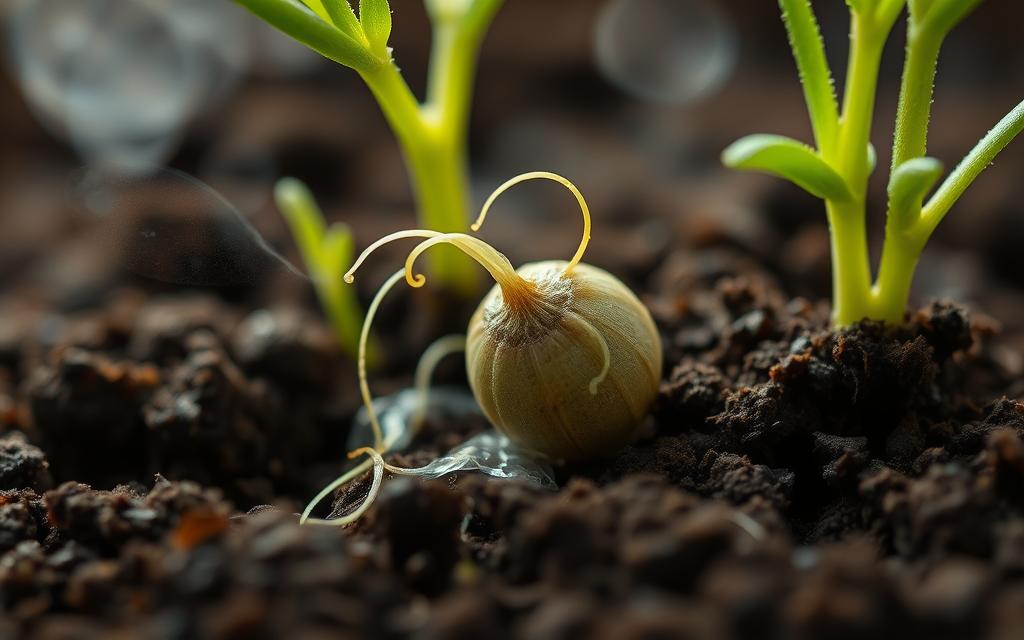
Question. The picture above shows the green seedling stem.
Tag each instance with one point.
(326, 252)
(432, 134)
(838, 168)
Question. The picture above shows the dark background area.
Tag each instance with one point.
(542, 104)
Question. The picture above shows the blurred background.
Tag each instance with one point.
(632, 99)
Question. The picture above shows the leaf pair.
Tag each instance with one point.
(331, 28)
(372, 27)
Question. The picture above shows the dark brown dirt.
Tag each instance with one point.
(793, 482)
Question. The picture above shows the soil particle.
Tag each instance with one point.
(734, 478)
(86, 414)
(846, 594)
(22, 517)
(670, 457)
(22, 465)
(943, 512)
(420, 522)
(946, 327)
(290, 346)
(694, 391)
(210, 424)
(105, 520)
(163, 325)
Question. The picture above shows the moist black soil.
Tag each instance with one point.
(793, 481)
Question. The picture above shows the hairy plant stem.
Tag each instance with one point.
(851, 269)
(913, 113)
(851, 275)
(903, 244)
(891, 291)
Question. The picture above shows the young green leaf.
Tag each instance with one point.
(375, 17)
(789, 159)
(296, 202)
(809, 52)
(980, 157)
(317, 7)
(909, 184)
(343, 17)
(326, 252)
(338, 248)
(305, 25)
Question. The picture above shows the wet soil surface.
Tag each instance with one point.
(792, 482)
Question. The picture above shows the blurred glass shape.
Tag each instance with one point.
(665, 51)
(398, 413)
(119, 78)
(489, 452)
(166, 225)
(493, 454)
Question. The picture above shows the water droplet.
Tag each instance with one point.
(489, 452)
(167, 225)
(667, 51)
(118, 78)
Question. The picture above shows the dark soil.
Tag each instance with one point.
(793, 482)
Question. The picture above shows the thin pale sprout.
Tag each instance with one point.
(544, 175)
(376, 461)
(355, 472)
(437, 351)
(489, 258)
(364, 390)
(364, 386)
(350, 275)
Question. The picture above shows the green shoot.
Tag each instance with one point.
(327, 252)
(838, 168)
(431, 134)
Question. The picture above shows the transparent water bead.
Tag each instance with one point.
(166, 225)
(118, 78)
(490, 452)
(667, 51)
(495, 455)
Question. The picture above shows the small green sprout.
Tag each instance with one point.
(838, 170)
(432, 134)
(326, 251)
